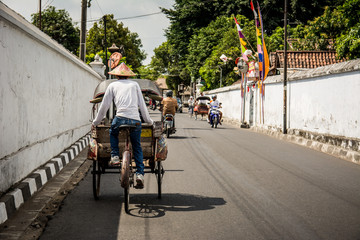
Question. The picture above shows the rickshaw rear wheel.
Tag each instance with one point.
(125, 170)
(152, 165)
(96, 179)
(125, 178)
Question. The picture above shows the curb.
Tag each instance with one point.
(339, 152)
(11, 201)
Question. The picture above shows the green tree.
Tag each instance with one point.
(58, 25)
(166, 63)
(202, 43)
(188, 16)
(228, 45)
(120, 35)
(192, 44)
(348, 41)
(337, 28)
(206, 47)
(147, 72)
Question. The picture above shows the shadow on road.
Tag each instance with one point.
(181, 137)
(197, 128)
(148, 206)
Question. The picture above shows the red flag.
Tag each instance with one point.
(253, 9)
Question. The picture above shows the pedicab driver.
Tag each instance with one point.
(128, 99)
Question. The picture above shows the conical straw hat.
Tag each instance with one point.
(122, 70)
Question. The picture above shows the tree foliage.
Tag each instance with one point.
(58, 25)
(348, 41)
(336, 29)
(120, 35)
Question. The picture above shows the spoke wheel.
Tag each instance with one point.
(159, 174)
(125, 178)
(125, 170)
(96, 179)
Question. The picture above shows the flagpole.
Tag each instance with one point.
(285, 69)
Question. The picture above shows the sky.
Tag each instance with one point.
(151, 29)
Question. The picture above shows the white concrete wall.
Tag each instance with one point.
(44, 98)
(327, 104)
(325, 100)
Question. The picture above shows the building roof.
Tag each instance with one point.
(304, 59)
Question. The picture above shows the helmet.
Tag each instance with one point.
(169, 94)
(213, 96)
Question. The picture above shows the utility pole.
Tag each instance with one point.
(220, 76)
(285, 69)
(105, 49)
(83, 29)
(39, 23)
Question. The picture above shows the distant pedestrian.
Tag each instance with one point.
(191, 104)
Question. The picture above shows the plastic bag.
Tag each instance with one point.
(161, 149)
(93, 148)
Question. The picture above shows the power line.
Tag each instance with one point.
(125, 18)
(99, 7)
(47, 4)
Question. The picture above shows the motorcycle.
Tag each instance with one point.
(169, 125)
(214, 117)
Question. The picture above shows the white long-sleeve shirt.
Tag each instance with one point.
(128, 100)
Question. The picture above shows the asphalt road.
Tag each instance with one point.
(225, 183)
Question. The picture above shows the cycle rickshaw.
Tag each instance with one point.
(99, 149)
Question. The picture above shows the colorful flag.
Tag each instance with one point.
(258, 38)
(265, 53)
(242, 42)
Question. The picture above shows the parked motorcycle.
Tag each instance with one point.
(214, 117)
(169, 125)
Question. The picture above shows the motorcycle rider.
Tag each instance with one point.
(216, 104)
(169, 106)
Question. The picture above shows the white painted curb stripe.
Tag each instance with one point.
(32, 185)
(42, 173)
(71, 151)
(66, 157)
(18, 197)
(52, 169)
(83, 143)
(75, 149)
(3, 213)
(79, 144)
(59, 161)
